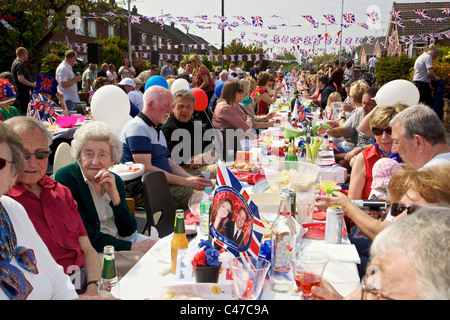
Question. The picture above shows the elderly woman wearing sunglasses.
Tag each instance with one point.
(361, 178)
(51, 207)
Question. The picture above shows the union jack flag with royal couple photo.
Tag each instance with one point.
(228, 186)
(44, 109)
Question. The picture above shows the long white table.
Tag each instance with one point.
(148, 278)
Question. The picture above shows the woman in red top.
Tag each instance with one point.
(361, 178)
(201, 77)
(265, 98)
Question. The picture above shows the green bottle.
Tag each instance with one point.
(109, 283)
(291, 155)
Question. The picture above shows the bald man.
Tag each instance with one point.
(144, 142)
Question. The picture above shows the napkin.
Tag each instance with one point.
(340, 252)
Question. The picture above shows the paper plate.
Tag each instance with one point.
(320, 215)
(317, 230)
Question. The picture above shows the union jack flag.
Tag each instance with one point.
(328, 40)
(285, 39)
(369, 40)
(307, 41)
(134, 19)
(422, 13)
(44, 109)
(309, 19)
(391, 40)
(111, 14)
(445, 11)
(272, 27)
(400, 24)
(228, 186)
(438, 19)
(349, 17)
(410, 39)
(330, 18)
(303, 114)
(243, 34)
(204, 17)
(396, 14)
(257, 22)
(373, 15)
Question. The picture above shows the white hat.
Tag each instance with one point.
(128, 82)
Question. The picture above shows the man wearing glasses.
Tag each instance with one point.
(410, 261)
(52, 209)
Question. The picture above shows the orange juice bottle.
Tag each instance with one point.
(179, 240)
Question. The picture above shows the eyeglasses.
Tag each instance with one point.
(397, 208)
(39, 155)
(3, 163)
(379, 131)
(367, 289)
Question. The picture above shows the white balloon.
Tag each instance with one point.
(110, 104)
(179, 84)
(397, 91)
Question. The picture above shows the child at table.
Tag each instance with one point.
(7, 98)
(332, 98)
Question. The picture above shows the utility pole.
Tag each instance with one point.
(223, 32)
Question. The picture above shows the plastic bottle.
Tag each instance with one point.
(291, 154)
(179, 240)
(284, 236)
(325, 146)
(205, 212)
(109, 284)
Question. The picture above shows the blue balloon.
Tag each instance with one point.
(218, 89)
(156, 81)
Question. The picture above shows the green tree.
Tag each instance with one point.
(391, 68)
(33, 23)
(114, 50)
(235, 47)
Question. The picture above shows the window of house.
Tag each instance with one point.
(111, 32)
(92, 28)
(144, 39)
(79, 27)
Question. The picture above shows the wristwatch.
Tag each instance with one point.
(96, 282)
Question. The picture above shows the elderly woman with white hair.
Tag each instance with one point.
(100, 194)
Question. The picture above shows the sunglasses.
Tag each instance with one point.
(379, 131)
(397, 208)
(39, 155)
(3, 163)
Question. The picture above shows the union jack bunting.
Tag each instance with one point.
(422, 13)
(438, 19)
(257, 22)
(400, 24)
(358, 40)
(110, 14)
(272, 27)
(410, 39)
(203, 17)
(243, 34)
(330, 18)
(445, 11)
(240, 18)
(349, 17)
(396, 14)
(364, 25)
(228, 186)
(348, 41)
(369, 40)
(328, 40)
(309, 19)
(134, 19)
(276, 39)
(307, 41)
(419, 22)
(44, 109)
(373, 15)
(391, 40)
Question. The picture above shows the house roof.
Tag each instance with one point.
(409, 16)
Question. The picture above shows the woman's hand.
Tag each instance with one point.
(108, 182)
(339, 199)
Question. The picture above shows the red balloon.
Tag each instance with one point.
(201, 99)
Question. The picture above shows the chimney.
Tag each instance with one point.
(134, 10)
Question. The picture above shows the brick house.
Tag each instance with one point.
(414, 31)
